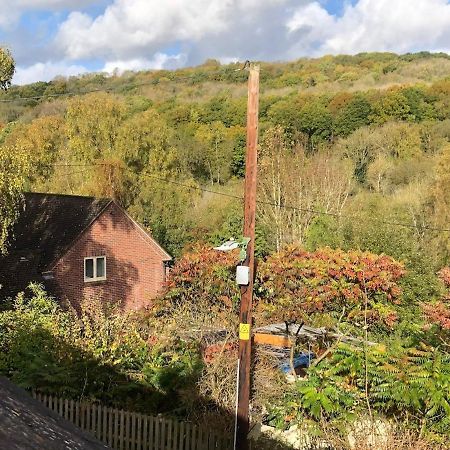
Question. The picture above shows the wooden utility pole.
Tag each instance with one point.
(245, 315)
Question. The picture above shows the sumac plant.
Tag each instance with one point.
(353, 285)
(204, 274)
(293, 283)
(438, 313)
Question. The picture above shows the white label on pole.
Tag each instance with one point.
(242, 275)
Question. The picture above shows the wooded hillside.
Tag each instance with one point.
(362, 137)
(353, 233)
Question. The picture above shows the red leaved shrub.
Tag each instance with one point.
(293, 283)
(296, 283)
(439, 312)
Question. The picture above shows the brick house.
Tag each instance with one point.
(83, 247)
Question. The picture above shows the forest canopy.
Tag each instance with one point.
(353, 228)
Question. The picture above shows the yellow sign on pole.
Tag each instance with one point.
(244, 331)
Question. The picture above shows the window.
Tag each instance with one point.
(95, 268)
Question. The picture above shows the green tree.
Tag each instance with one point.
(14, 166)
(13, 163)
(391, 106)
(7, 68)
(352, 115)
(93, 122)
(216, 144)
(316, 122)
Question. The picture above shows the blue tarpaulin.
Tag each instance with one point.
(300, 360)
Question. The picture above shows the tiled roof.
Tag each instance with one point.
(45, 230)
(25, 423)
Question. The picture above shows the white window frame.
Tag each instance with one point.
(95, 278)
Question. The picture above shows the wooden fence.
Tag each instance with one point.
(125, 430)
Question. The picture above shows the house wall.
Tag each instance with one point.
(135, 271)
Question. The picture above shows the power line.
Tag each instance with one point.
(262, 202)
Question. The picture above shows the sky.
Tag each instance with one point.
(69, 37)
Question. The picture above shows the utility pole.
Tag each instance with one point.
(245, 315)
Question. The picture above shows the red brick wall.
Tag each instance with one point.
(134, 264)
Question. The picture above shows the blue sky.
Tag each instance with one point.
(68, 37)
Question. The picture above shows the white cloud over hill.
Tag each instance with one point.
(139, 34)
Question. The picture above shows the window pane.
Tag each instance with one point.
(100, 267)
(89, 268)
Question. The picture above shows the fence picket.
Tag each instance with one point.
(71, 411)
(162, 433)
(152, 434)
(93, 419)
(157, 429)
(105, 424)
(88, 418)
(200, 442)
(82, 416)
(116, 429)
(193, 438)
(98, 427)
(181, 435)
(145, 424)
(121, 430)
(169, 435)
(109, 415)
(187, 439)
(126, 430)
(133, 436)
(77, 414)
(139, 431)
(174, 436)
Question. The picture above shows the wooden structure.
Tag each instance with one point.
(125, 430)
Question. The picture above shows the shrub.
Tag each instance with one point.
(296, 283)
(104, 354)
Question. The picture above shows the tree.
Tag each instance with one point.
(93, 122)
(438, 312)
(316, 122)
(14, 166)
(292, 186)
(394, 141)
(44, 140)
(7, 68)
(216, 144)
(145, 145)
(391, 106)
(439, 201)
(13, 163)
(352, 115)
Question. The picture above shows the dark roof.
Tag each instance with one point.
(45, 230)
(50, 223)
(25, 423)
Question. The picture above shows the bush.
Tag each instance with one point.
(406, 384)
(104, 354)
(295, 284)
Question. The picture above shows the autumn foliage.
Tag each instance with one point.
(204, 274)
(294, 283)
(439, 312)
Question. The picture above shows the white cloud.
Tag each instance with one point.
(159, 61)
(46, 72)
(375, 25)
(142, 25)
(137, 34)
(250, 29)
